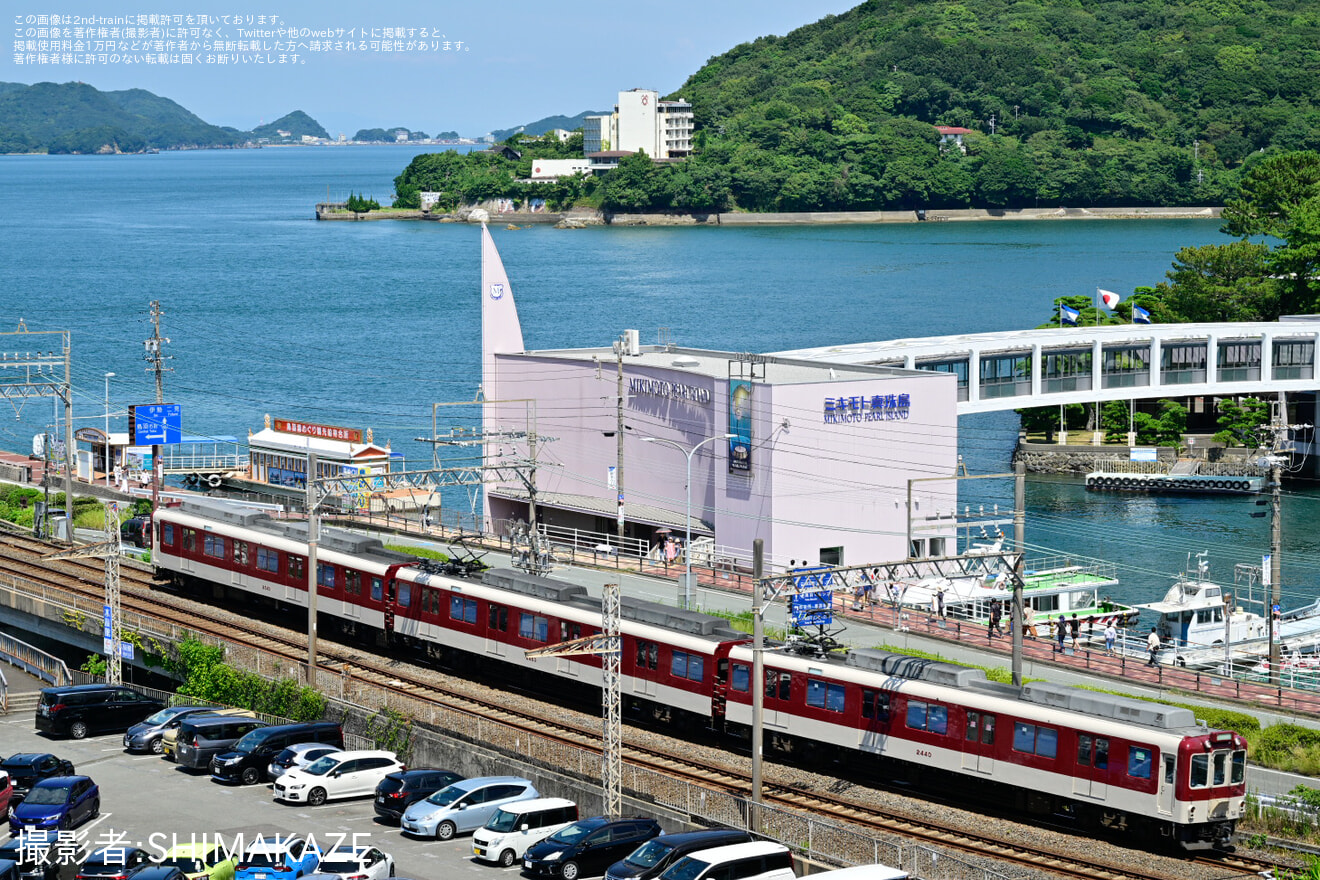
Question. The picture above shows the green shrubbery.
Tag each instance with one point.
(207, 677)
(359, 205)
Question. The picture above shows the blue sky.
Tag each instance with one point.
(522, 60)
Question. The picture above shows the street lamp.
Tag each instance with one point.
(108, 377)
(687, 547)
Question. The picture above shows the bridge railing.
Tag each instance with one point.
(34, 661)
(202, 461)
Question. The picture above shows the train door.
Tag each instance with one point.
(240, 563)
(978, 753)
(1091, 773)
(778, 690)
(875, 720)
(568, 665)
(497, 628)
(1165, 798)
(647, 661)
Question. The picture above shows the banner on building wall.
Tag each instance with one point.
(740, 426)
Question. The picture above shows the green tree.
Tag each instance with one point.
(1270, 192)
(1164, 429)
(1115, 417)
(1240, 421)
(1222, 282)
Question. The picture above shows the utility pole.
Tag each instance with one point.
(155, 356)
(1279, 434)
(758, 675)
(114, 673)
(313, 536)
(1019, 542)
(618, 468)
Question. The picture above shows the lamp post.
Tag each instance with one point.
(108, 377)
(687, 547)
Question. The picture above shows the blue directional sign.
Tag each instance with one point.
(105, 621)
(158, 424)
(812, 603)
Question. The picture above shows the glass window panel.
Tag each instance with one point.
(1024, 737)
(1139, 759)
(696, 667)
(835, 697)
(973, 726)
(1220, 776)
(1239, 767)
(916, 715)
(816, 693)
(937, 720)
(1084, 750)
(1047, 742)
(1200, 771)
(1101, 753)
(988, 730)
(742, 678)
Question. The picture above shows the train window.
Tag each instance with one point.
(460, 607)
(167, 534)
(1093, 751)
(988, 730)
(1034, 740)
(742, 678)
(1168, 769)
(325, 575)
(497, 618)
(533, 627)
(916, 715)
(1084, 750)
(353, 583)
(377, 589)
(824, 695)
(689, 666)
(973, 726)
(1139, 759)
(268, 560)
(241, 552)
(189, 539)
(1239, 767)
(778, 685)
(569, 631)
(405, 594)
(648, 655)
(1220, 768)
(297, 566)
(1101, 753)
(923, 716)
(214, 545)
(1200, 771)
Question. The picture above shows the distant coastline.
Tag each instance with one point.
(579, 219)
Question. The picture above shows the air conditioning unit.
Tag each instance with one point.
(632, 343)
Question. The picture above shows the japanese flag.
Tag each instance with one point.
(1108, 297)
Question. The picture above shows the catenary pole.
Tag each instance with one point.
(1019, 542)
(758, 671)
(313, 536)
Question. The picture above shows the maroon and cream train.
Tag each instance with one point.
(1126, 765)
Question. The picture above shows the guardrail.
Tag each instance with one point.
(33, 661)
(202, 462)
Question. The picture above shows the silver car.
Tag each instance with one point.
(464, 806)
(296, 756)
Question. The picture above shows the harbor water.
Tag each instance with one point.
(369, 324)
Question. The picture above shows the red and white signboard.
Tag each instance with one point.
(325, 432)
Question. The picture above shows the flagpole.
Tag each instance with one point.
(1095, 306)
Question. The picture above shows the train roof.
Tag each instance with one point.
(1056, 696)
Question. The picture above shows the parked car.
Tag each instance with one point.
(251, 756)
(80, 709)
(277, 858)
(588, 847)
(35, 859)
(60, 802)
(465, 805)
(517, 826)
(114, 863)
(148, 735)
(6, 793)
(200, 861)
(399, 791)
(761, 860)
(9, 870)
(337, 775)
(136, 530)
(356, 863)
(295, 756)
(203, 737)
(159, 872)
(653, 857)
(26, 769)
(169, 742)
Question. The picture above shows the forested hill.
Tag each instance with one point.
(1107, 102)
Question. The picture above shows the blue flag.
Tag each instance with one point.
(1068, 316)
(1140, 315)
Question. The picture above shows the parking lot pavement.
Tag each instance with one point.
(145, 795)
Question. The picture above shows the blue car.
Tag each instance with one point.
(56, 803)
(277, 858)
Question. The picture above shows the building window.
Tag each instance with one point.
(689, 666)
(1294, 360)
(825, 695)
(1238, 361)
(1005, 375)
(1067, 371)
(460, 607)
(1035, 740)
(1125, 366)
(927, 716)
(533, 627)
(1183, 363)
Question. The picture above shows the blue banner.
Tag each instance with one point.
(740, 426)
(812, 603)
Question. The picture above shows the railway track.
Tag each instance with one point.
(141, 593)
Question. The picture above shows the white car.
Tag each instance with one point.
(355, 862)
(295, 756)
(336, 775)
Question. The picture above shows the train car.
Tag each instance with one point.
(1130, 766)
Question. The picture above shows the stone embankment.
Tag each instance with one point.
(1082, 459)
(490, 212)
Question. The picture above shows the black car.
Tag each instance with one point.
(78, 710)
(114, 863)
(37, 860)
(588, 847)
(249, 757)
(136, 531)
(160, 872)
(147, 736)
(653, 857)
(26, 769)
(398, 791)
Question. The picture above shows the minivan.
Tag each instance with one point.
(653, 857)
(518, 825)
(864, 872)
(465, 805)
(205, 736)
(250, 757)
(586, 848)
(171, 737)
(762, 860)
(78, 710)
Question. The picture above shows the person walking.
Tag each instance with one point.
(939, 600)
(1075, 629)
(1153, 645)
(1111, 633)
(1060, 630)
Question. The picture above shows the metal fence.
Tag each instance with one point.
(33, 661)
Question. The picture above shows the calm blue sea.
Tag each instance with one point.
(368, 324)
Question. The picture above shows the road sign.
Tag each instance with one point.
(108, 645)
(126, 650)
(157, 424)
(813, 602)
